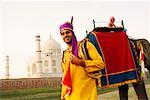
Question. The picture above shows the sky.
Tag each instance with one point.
(21, 21)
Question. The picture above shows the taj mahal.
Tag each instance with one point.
(43, 68)
(45, 63)
(47, 60)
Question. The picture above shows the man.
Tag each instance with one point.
(111, 23)
(76, 82)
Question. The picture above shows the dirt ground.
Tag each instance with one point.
(115, 94)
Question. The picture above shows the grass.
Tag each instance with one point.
(37, 93)
(115, 94)
(133, 95)
(47, 93)
(102, 91)
(30, 93)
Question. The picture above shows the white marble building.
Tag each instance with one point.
(47, 60)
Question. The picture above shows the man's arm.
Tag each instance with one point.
(95, 64)
(97, 60)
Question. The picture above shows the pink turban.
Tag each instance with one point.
(66, 25)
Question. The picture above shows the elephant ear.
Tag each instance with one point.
(146, 49)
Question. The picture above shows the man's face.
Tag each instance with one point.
(113, 20)
(66, 35)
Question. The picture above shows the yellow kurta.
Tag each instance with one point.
(83, 86)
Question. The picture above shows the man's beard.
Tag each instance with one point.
(69, 42)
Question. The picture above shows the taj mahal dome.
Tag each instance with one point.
(47, 59)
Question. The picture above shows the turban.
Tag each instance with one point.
(66, 25)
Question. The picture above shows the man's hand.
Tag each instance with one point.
(77, 61)
(62, 98)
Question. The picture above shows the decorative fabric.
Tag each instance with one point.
(141, 60)
(119, 58)
(67, 82)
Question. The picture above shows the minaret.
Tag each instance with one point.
(50, 36)
(38, 56)
(7, 67)
(50, 58)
